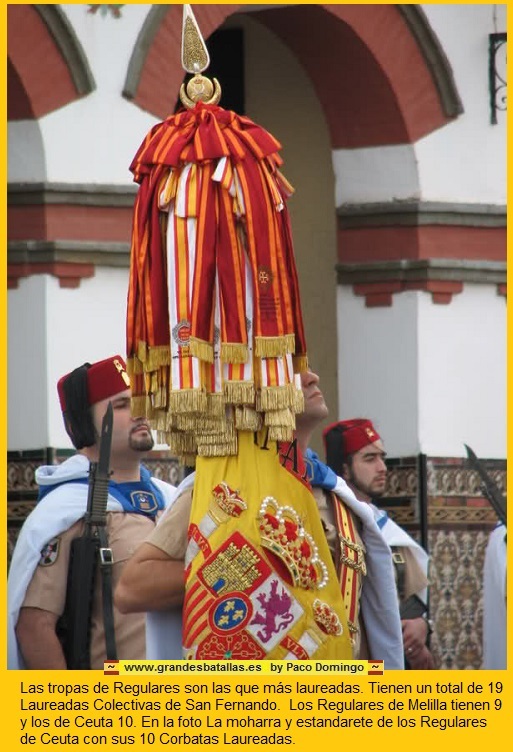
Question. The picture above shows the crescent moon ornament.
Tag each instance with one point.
(200, 89)
(195, 59)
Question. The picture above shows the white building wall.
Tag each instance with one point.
(431, 377)
(27, 385)
(375, 174)
(26, 160)
(462, 373)
(464, 162)
(378, 367)
(94, 139)
(473, 166)
(55, 331)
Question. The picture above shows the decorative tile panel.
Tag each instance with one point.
(459, 521)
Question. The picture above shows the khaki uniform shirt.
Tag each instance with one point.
(415, 581)
(47, 589)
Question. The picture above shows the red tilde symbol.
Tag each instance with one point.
(276, 614)
(375, 668)
(111, 667)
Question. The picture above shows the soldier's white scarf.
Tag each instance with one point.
(55, 513)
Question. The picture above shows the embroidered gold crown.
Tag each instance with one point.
(283, 535)
(326, 618)
(228, 500)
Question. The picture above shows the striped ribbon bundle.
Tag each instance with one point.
(215, 338)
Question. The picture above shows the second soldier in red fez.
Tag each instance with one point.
(355, 451)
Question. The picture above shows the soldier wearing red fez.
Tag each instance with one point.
(39, 569)
(355, 451)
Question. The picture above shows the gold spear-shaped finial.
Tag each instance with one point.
(195, 59)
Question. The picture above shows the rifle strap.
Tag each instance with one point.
(400, 571)
(106, 562)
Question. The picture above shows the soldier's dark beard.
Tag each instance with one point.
(140, 443)
(362, 487)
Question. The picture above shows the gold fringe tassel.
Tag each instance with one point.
(217, 438)
(216, 403)
(181, 443)
(153, 382)
(280, 433)
(160, 397)
(247, 419)
(274, 347)
(201, 349)
(239, 392)
(157, 357)
(218, 450)
(283, 418)
(275, 398)
(134, 366)
(187, 401)
(142, 351)
(185, 422)
(299, 402)
(201, 424)
(234, 352)
(159, 420)
(138, 405)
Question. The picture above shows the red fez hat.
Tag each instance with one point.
(354, 434)
(104, 379)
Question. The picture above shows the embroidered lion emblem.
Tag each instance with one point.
(276, 612)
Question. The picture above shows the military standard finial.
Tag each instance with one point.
(195, 59)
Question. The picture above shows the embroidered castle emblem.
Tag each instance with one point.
(285, 538)
(233, 568)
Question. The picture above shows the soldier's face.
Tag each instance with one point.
(315, 406)
(129, 434)
(367, 472)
